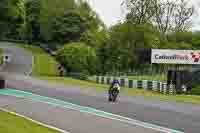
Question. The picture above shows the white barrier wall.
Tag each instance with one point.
(135, 85)
(154, 86)
(147, 85)
(111, 79)
(126, 82)
(144, 84)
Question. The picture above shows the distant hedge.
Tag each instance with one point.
(77, 57)
(196, 90)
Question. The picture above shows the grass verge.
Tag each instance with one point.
(1, 56)
(127, 91)
(10, 123)
(44, 64)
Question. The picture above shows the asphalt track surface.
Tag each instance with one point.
(67, 119)
(21, 61)
(179, 116)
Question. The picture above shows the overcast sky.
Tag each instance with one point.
(111, 12)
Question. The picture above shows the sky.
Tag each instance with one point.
(196, 17)
(111, 12)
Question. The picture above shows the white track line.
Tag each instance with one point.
(34, 121)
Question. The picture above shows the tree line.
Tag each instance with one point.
(85, 44)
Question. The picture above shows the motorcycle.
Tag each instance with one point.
(113, 93)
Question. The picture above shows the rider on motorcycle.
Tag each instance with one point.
(115, 85)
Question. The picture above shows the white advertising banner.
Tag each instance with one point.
(167, 56)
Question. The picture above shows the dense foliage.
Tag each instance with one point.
(77, 57)
(148, 24)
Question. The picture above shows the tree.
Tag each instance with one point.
(33, 8)
(78, 57)
(68, 28)
(49, 10)
(172, 15)
(12, 18)
(92, 18)
(96, 33)
(196, 40)
(139, 11)
(164, 13)
(124, 39)
(94, 38)
(180, 37)
(167, 15)
(183, 16)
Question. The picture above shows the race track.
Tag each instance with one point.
(178, 116)
(21, 61)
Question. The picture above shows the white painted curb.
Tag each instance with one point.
(32, 64)
(34, 121)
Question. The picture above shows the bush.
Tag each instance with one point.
(77, 57)
(196, 90)
(1, 56)
(80, 76)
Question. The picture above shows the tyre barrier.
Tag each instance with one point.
(150, 85)
(130, 83)
(155, 86)
(139, 84)
(2, 83)
(108, 80)
(145, 84)
(102, 80)
(122, 82)
(97, 80)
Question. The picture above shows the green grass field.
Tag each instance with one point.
(10, 123)
(1, 56)
(44, 64)
(125, 91)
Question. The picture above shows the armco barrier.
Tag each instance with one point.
(155, 86)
